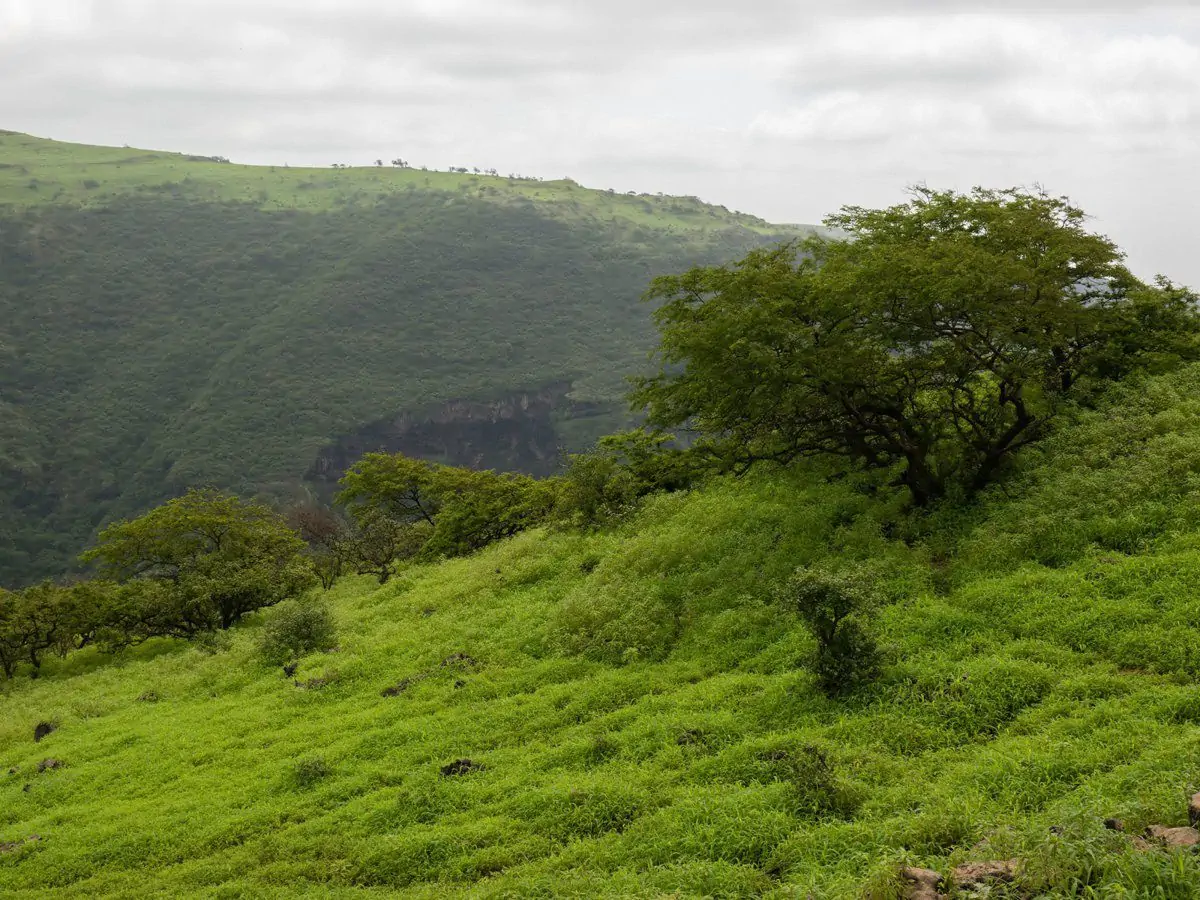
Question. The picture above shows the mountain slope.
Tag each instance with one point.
(640, 717)
(169, 321)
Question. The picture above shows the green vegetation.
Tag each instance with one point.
(172, 321)
(669, 672)
(642, 715)
(939, 336)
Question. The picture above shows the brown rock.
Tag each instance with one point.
(977, 874)
(460, 767)
(1194, 810)
(1140, 844)
(1114, 824)
(47, 764)
(1174, 837)
(921, 884)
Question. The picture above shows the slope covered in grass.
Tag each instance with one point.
(167, 321)
(639, 718)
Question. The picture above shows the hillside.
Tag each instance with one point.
(170, 320)
(638, 719)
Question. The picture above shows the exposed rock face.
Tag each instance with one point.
(514, 433)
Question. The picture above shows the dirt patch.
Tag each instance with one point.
(1176, 838)
(980, 874)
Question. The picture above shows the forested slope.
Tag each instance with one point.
(168, 321)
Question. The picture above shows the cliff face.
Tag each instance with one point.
(516, 432)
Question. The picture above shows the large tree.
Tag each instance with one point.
(213, 557)
(936, 337)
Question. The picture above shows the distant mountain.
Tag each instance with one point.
(170, 320)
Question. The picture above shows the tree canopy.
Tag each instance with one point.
(215, 556)
(937, 337)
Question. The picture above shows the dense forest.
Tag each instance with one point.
(170, 321)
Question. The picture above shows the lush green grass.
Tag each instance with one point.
(35, 170)
(643, 717)
(167, 321)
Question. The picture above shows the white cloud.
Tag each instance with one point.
(778, 107)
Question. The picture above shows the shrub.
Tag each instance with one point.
(310, 770)
(606, 484)
(303, 627)
(836, 603)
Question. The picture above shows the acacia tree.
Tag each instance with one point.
(214, 556)
(937, 337)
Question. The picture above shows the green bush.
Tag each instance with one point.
(296, 629)
(309, 770)
(606, 484)
(836, 603)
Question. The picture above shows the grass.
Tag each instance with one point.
(640, 717)
(36, 170)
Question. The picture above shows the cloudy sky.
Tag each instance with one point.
(781, 108)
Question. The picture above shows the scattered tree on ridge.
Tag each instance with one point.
(938, 337)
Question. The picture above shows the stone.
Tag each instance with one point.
(47, 764)
(1181, 838)
(921, 884)
(460, 767)
(978, 874)
(1114, 824)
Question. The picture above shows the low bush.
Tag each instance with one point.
(297, 629)
(836, 603)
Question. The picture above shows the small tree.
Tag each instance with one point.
(329, 538)
(393, 483)
(214, 556)
(380, 542)
(836, 604)
(607, 482)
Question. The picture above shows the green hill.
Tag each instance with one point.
(170, 320)
(635, 715)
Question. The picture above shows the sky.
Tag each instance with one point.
(787, 109)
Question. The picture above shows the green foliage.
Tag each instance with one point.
(297, 629)
(403, 506)
(603, 485)
(701, 764)
(836, 603)
(936, 337)
(213, 556)
(168, 329)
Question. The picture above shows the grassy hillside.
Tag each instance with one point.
(641, 722)
(168, 320)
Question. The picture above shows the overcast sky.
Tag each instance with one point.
(772, 107)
